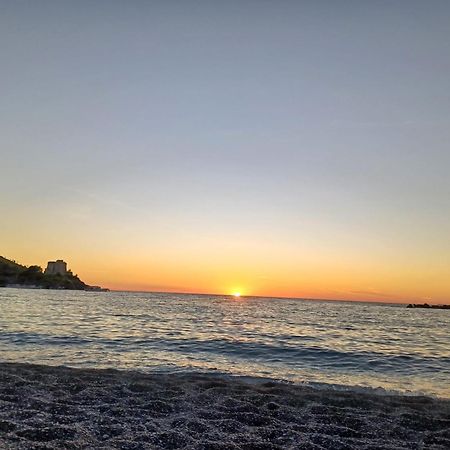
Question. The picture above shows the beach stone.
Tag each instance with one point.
(228, 425)
(46, 434)
(197, 426)
(193, 412)
(9, 398)
(109, 431)
(130, 445)
(252, 419)
(326, 441)
(6, 426)
(437, 440)
(210, 414)
(272, 406)
(141, 387)
(171, 393)
(169, 440)
(262, 446)
(179, 422)
(64, 420)
(158, 407)
(279, 436)
(216, 445)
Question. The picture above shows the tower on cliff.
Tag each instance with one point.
(54, 267)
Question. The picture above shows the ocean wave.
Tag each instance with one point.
(283, 352)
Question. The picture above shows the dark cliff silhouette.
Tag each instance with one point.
(14, 274)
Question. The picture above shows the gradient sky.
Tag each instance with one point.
(291, 148)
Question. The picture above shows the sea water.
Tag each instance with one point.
(341, 343)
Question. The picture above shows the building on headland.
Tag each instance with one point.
(56, 267)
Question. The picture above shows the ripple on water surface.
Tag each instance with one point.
(333, 342)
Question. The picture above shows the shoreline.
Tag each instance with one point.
(58, 407)
(35, 287)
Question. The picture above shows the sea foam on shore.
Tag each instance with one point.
(43, 407)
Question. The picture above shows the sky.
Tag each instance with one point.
(289, 148)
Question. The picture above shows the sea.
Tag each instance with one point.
(345, 344)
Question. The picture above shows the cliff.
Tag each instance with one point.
(14, 274)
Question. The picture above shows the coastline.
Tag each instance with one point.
(28, 286)
(60, 407)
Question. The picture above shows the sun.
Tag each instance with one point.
(237, 291)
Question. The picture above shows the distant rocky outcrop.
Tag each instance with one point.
(16, 275)
(426, 305)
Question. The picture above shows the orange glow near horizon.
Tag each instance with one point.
(210, 283)
(253, 267)
(306, 277)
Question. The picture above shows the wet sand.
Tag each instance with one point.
(44, 407)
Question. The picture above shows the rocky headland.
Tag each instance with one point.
(13, 274)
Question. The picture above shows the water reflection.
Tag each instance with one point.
(345, 343)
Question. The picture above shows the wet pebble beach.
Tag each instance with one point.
(43, 407)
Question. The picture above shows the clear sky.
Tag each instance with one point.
(292, 148)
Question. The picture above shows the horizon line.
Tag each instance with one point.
(275, 297)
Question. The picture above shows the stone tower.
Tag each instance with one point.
(54, 267)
